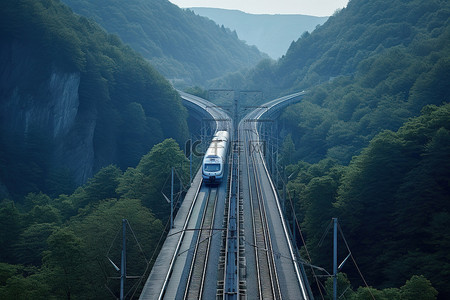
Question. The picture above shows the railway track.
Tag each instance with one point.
(267, 278)
(231, 285)
(197, 273)
(260, 259)
(279, 275)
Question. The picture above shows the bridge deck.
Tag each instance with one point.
(174, 259)
(159, 273)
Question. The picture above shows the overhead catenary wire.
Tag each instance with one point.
(155, 251)
(354, 262)
(301, 234)
(349, 255)
(134, 287)
(112, 243)
(178, 194)
(137, 241)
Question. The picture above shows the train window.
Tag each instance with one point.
(212, 167)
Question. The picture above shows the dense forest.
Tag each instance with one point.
(369, 144)
(74, 97)
(361, 38)
(80, 112)
(384, 88)
(73, 100)
(392, 202)
(184, 47)
(58, 248)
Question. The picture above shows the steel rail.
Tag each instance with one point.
(194, 287)
(293, 257)
(269, 249)
(180, 239)
(258, 271)
(209, 245)
(222, 121)
(262, 237)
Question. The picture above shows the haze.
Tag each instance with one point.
(304, 7)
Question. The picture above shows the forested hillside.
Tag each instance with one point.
(59, 247)
(370, 67)
(73, 100)
(369, 143)
(184, 47)
(363, 31)
(392, 202)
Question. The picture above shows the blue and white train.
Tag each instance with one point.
(215, 158)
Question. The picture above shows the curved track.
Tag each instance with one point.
(281, 272)
(257, 257)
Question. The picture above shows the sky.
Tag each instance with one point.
(318, 8)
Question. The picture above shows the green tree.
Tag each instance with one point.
(151, 176)
(288, 149)
(103, 185)
(197, 91)
(366, 293)
(66, 204)
(30, 287)
(64, 263)
(418, 287)
(33, 199)
(135, 136)
(32, 243)
(432, 87)
(317, 201)
(100, 230)
(10, 228)
(44, 214)
(344, 288)
(7, 271)
(401, 181)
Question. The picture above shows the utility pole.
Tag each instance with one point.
(335, 223)
(190, 162)
(123, 264)
(171, 202)
(294, 228)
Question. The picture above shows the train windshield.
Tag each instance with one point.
(212, 167)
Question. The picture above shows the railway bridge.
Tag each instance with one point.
(231, 241)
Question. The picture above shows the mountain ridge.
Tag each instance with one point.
(271, 33)
(183, 47)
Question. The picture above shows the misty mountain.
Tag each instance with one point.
(184, 47)
(272, 34)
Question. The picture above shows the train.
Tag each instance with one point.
(215, 158)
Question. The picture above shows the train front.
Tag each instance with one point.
(212, 169)
(215, 158)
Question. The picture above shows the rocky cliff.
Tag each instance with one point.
(74, 99)
(48, 107)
